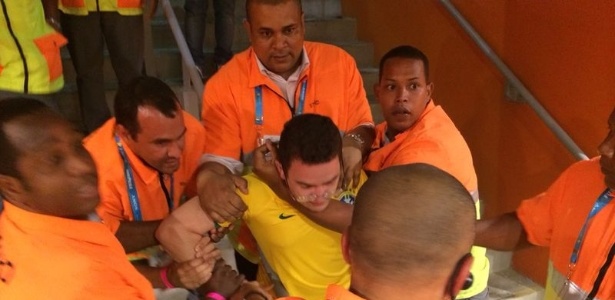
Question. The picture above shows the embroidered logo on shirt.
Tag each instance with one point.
(284, 217)
(347, 197)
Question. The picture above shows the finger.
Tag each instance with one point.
(356, 177)
(347, 178)
(217, 217)
(240, 183)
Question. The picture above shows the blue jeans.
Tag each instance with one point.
(224, 14)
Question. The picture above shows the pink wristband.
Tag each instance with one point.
(215, 296)
(165, 279)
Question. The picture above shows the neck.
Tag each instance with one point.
(292, 70)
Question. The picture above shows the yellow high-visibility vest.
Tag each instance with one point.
(30, 59)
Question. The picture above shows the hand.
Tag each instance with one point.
(217, 195)
(224, 280)
(251, 290)
(191, 274)
(216, 234)
(264, 164)
(206, 250)
(352, 161)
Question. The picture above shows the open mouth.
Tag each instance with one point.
(400, 111)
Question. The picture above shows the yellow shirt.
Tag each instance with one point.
(306, 256)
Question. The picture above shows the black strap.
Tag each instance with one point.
(601, 273)
(166, 192)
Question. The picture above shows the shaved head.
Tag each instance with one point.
(411, 221)
(249, 4)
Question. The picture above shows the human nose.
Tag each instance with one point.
(175, 149)
(279, 41)
(81, 163)
(402, 95)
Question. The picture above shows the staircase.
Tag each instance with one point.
(323, 22)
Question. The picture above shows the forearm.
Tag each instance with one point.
(135, 236)
(337, 216)
(367, 134)
(504, 233)
(180, 232)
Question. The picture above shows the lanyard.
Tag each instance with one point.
(601, 202)
(132, 189)
(258, 103)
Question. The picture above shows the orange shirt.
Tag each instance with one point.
(336, 292)
(554, 219)
(433, 139)
(334, 89)
(58, 258)
(115, 202)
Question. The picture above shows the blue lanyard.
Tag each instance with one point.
(601, 202)
(132, 188)
(258, 103)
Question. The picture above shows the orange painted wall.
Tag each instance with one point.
(563, 51)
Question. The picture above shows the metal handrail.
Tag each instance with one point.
(191, 78)
(515, 82)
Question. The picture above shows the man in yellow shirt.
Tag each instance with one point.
(305, 256)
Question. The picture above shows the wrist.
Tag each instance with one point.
(214, 296)
(353, 139)
(164, 277)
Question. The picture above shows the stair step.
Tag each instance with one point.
(328, 30)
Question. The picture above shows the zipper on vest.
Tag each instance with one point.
(19, 48)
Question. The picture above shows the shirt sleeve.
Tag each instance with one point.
(110, 209)
(220, 119)
(537, 214)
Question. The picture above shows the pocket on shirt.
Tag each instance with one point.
(49, 45)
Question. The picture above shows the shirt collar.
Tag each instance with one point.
(305, 61)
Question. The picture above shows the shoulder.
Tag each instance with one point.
(193, 126)
(102, 147)
(236, 68)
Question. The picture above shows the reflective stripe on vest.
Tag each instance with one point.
(82, 7)
(558, 288)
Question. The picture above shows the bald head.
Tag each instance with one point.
(411, 221)
(250, 3)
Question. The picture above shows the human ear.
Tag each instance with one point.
(10, 188)
(278, 167)
(246, 26)
(460, 275)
